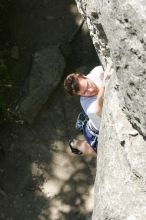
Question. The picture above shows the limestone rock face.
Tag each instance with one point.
(121, 164)
(88, 9)
(47, 70)
(118, 31)
(124, 24)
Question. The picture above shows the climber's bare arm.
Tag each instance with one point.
(99, 101)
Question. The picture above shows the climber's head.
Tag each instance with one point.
(79, 84)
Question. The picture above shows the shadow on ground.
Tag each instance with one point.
(40, 178)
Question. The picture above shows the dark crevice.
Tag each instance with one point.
(137, 174)
(136, 127)
(131, 83)
(137, 119)
(122, 143)
(116, 87)
(134, 135)
(126, 66)
(129, 96)
(94, 15)
(102, 34)
(126, 20)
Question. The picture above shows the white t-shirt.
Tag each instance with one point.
(89, 103)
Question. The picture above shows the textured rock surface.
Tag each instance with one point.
(88, 10)
(121, 164)
(118, 33)
(47, 70)
(125, 28)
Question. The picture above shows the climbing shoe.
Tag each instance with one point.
(74, 150)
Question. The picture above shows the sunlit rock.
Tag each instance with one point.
(118, 33)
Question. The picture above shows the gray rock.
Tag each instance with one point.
(121, 164)
(118, 34)
(88, 9)
(124, 25)
(47, 70)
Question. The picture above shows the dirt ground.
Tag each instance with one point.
(40, 179)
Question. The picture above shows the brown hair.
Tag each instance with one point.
(71, 83)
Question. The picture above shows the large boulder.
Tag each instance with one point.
(118, 32)
(47, 70)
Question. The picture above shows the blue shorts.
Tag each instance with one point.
(91, 136)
